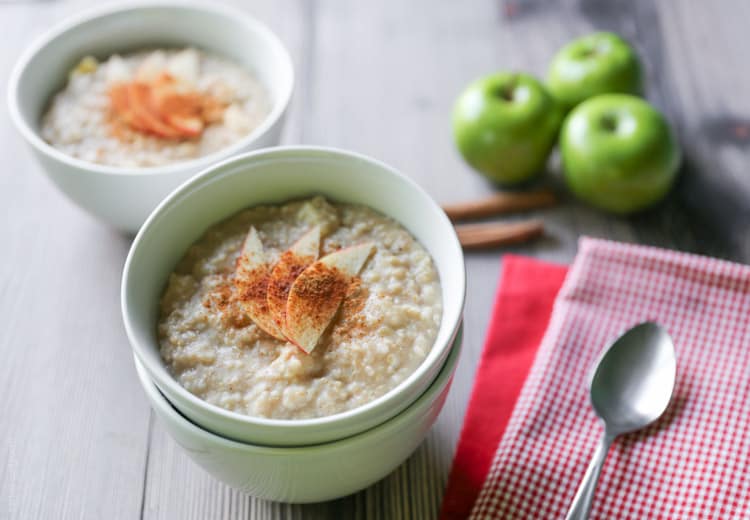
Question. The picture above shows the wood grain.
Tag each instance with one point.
(77, 439)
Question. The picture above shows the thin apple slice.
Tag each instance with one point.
(139, 100)
(120, 104)
(292, 262)
(251, 281)
(137, 117)
(188, 126)
(178, 106)
(317, 293)
(118, 99)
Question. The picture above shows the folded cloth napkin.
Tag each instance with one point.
(693, 463)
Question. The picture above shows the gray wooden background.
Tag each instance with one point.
(77, 438)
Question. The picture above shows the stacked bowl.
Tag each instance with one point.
(285, 459)
(291, 460)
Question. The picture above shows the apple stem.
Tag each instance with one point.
(506, 92)
(609, 123)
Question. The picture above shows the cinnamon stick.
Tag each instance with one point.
(501, 202)
(475, 236)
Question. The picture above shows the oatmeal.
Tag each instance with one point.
(153, 108)
(362, 307)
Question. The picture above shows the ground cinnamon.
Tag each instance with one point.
(283, 275)
(320, 295)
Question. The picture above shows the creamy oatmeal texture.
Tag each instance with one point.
(383, 330)
(79, 120)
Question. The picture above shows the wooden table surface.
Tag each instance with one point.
(77, 438)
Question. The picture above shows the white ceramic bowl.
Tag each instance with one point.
(308, 473)
(124, 197)
(273, 176)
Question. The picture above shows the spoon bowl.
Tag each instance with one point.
(633, 381)
(630, 388)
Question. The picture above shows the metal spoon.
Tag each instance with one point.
(631, 387)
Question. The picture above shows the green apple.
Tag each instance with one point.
(618, 153)
(505, 126)
(600, 63)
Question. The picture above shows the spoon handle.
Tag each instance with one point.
(581, 506)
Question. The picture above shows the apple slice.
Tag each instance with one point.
(317, 293)
(188, 126)
(118, 98)
(251, 281)
(178, 106)
(292, 262)
(139, 101)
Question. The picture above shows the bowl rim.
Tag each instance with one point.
(73, 22)
(195, 183)
(155, 395)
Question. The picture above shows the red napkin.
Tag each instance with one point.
(522, 308)
(693, 463)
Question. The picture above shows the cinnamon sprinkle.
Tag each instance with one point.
(286, 271)
(327, 291)
(320, 294)
(163, 107)
(224, 299)
(350, 323)
(252, 286)
(355, 298)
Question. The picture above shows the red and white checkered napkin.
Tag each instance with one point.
(695, 462)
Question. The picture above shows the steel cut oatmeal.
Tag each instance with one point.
(153, 108)
(299, 310)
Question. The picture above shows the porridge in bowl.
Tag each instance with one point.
(299, 310)
(154, 108)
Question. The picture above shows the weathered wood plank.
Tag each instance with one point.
(73, 428)
(702, 73)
